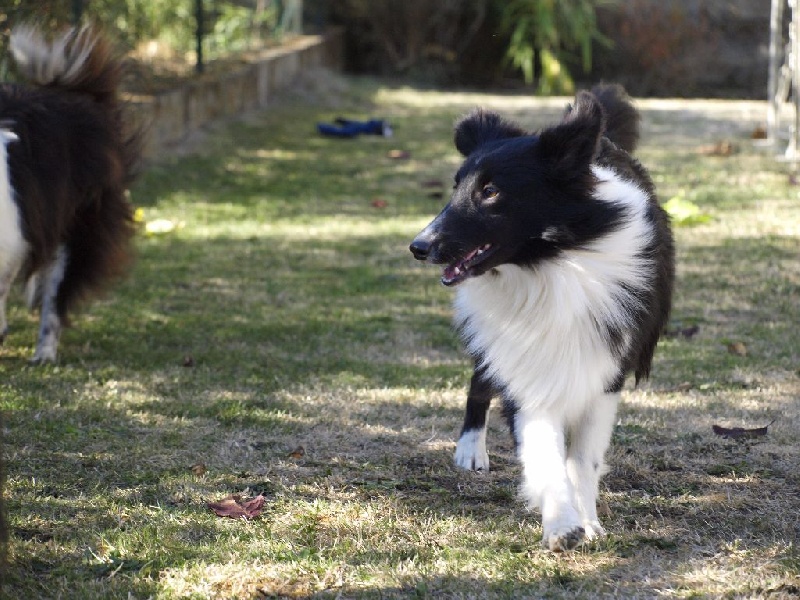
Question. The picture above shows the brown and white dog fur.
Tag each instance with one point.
(66, 161)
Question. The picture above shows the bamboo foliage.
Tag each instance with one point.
(546, 35)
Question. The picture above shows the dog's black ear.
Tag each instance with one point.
(480, 127)
(571, 145)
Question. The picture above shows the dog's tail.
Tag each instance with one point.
(622, 118)
(78, 60)
(81, 61)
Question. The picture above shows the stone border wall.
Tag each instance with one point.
(170, 117)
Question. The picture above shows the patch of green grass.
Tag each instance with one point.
(285, 310)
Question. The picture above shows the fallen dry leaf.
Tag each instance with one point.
(298, 452)
(685, 332)
(432, 183)
(723, 148)
(198, 469)
(235, 508)
(737, 348)
(399, 154)
(739, 433)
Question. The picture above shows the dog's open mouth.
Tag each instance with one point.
(467, 266)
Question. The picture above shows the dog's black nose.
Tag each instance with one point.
(420, 248)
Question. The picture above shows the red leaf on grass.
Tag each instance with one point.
(685, 332)
(298, 452)
(721, 148)
(432, 183)
(737, 348)
(236, 508)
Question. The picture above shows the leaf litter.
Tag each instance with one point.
(740, 433)
(235, 507)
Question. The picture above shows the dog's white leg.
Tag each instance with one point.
(589, 439)
(12, 244)
(9, 267)
(50, 323)
(33, 292)
(541, 450)
(12, 254)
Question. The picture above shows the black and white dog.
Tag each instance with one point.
(66, 160)
(564, 263)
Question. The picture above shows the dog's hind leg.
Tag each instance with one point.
(9, 267)
(471, 448)
(50, 322)
(589, 439)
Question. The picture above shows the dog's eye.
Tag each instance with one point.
(489, 192)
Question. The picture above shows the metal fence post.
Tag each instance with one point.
(292, 18)
(77, 11)
(199, 16)
(775, 63)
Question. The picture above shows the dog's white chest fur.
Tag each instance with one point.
(536, 335)
(538, 329)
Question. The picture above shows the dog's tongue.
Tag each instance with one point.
(452, 275)
(458, 271)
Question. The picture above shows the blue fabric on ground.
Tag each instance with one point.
(346, 128)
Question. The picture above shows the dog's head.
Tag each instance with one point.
(518, 197)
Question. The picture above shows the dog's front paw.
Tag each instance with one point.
(471, 452)
(563, 539)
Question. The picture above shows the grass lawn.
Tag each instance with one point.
(285, 311)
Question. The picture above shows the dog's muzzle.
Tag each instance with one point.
(424, 246)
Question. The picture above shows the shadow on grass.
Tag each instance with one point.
(664, 502)
(664, 498)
